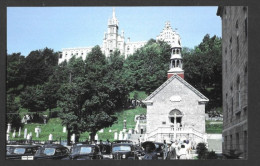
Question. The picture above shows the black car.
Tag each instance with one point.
(105, 150)
(52, 152)
(84, 152)
(121, 151)
(139, 151)
(159, 149)
(21, 152)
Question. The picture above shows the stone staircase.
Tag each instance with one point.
(135, 137)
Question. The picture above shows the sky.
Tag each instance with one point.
(33, 28)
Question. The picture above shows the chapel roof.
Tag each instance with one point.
(175, 76)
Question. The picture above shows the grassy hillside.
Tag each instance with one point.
(55, 128)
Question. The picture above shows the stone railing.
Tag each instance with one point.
(170, 130)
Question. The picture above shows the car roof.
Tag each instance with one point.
(85, 145)
(158, 143)
(122, 141)
(118, 144)
(54, 146)
(23, 146)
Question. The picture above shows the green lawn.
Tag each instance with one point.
(55, 128)
(213, 128)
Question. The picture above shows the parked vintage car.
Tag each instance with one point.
(121, 151)
(84, 152)
(21, 152)
(159, 149)
(52, 152)
(139, 151)
(105, 150)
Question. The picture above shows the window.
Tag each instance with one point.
(237, 24)
(238, 45)
(237, 141)
(231, 109)
(226, 66)
(163, 122)
(245, 29)
(238, 98)
(231, 57)
(231, 142)
(225, 142)
(245, 144)
(238, 116)
(227, 111)
(60, 55)
(245, 84)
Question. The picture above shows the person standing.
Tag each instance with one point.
(165, 150)
(150, 153)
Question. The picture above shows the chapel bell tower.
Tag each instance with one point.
(176, 62)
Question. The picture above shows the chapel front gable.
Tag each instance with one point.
(175, 89)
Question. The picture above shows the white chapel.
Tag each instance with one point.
(175, 110)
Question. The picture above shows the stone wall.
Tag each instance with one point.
(235, 76)
(193, 112)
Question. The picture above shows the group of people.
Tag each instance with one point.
(177, 150)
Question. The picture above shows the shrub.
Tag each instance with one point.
(201, 150)
(212, 155)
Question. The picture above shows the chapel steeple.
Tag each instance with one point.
(176, 60)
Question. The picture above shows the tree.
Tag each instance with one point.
(15, 70)
(32, 98)
(50, 90)
(203, 69)
(12, 115)
(90, 100)
(39, 65)
(147, 68)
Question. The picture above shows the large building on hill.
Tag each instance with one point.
(235, 78)
(113, 40)
(176, 110)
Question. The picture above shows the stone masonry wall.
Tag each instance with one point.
(193, 113)
(234, 65)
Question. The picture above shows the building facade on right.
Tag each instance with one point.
(235, 79)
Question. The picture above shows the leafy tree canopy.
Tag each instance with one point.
(147, 68)
(203, 69)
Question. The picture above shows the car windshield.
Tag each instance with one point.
(49, 151)
(158, 146)
(19, 150)
(121, 148)
(85, 150)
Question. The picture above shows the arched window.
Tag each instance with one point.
(179, 116)
(175, 111)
